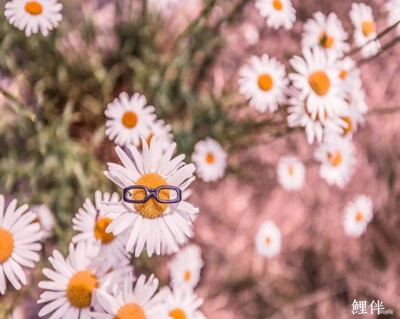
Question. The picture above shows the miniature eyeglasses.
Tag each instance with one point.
(165, 194)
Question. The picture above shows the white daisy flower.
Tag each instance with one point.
(365, 29)
(182, 303)
(337, 157)
(91, 222)
(299, 116)
(393, 8)
(268, 240)
(19, 243)
(45, 218)
(263, 81)
(153, 226)
(129, 118)
(357, 216)
(279, 13)
(34, 16)
(185, 267)
(325, 32)
(210, 160)
(318, 83)
(138, 302)
(161, 131)
(349, 74)
(69, 292)
(291, 173)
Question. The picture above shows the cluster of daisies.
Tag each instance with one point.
(322, 94)
(97, 279)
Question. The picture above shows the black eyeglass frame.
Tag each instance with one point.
(152, 192)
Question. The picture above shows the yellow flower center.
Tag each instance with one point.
(319, 82)
(210, 159)
(188, 275)
(80, 288)
(335, 158)
(268, 240)
(368, 27)
(151, 209)
(34, 8)
(326, 41)
(277, 5)
(265, 82)
(129, 119)
(291, 170)
(177, 313)
(6, 245)
(100, 230)
(359, 216)
(343, 74)
(131, 311)
(349, 128)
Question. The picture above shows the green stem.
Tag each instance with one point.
(17, 106)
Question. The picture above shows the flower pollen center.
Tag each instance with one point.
(6, 245)
(177, 313)
(291, 170)
(151, 208)
(80, 288)
(265, 82)
(188, 275)
(210, 159)
(319, 82)
(368, 27)
(343, 74)
(100, 230)
(268, 240)
(326, 41)
(129, 119)
(335, 158)
(277, 4)
(131, 311)
(359, 216)
(33, 7)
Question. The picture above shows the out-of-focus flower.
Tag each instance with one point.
(279, 13)
(162, 132)
(291, 173)
(185, 267)
(34, 16)
(268, 240)
(69, 292)
(182, 302)
(263, 81)
(325, 32)
(348, 73)
(159, 228)
(365, 29)
(337, 157)
(318, 82)
(19, 243)
(129, 118)
(357, 216)
(250, 33)
(45, 218)
(393, 8)
(91, 222)
(210, 160)
(138, 301)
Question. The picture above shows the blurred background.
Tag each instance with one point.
(185, 60)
